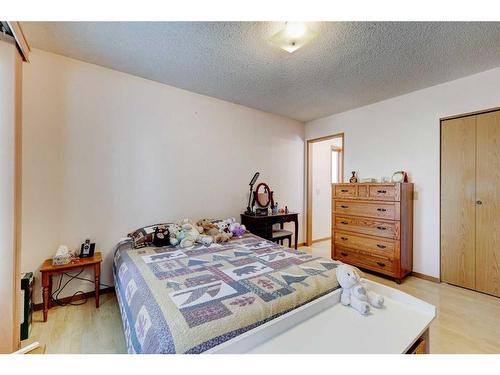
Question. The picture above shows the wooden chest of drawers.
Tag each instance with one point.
(372, 226)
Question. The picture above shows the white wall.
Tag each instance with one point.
(403, 133)
(322, 187)
(106, 152)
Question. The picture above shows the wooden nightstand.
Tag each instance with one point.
(48, 270)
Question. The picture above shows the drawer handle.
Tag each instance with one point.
(344, 238)
(381, 264)
(344, 191)
(381, 246)
(344, 222)
(344, 206)
(381, 209)
(382, 191)
(381, 228)
(343, 254)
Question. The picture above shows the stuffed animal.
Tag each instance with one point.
(237, 229)
(161, 236)
(201, 237)
(217, 230)
(354, 293)
(174, 234)
(209, 228)
(224, 233)
(205, 240)
(184, 234)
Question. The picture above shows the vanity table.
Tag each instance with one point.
(262, 226)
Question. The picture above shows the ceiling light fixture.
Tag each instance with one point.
(293, 36)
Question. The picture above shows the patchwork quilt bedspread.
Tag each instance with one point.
(175, 300)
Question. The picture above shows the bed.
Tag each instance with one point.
(175, 300)
(246, 295)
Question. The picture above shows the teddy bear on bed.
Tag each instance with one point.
(354, 293)
(214, 230)
(186, 234)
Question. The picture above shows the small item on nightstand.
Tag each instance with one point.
(400, 176)
(353, 178)
(286, 209)
(259, 211)
(274, 208)
(62, 256)
(87, 249)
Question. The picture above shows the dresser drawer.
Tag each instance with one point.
(381, 246)
(344, 191)
(384, 192)
(381, 210)
(362, 260)
(371, 227)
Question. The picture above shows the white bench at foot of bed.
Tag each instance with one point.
(325, 326)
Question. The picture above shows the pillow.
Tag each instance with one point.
(144, 236)
(161, 236)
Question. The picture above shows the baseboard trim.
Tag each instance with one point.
(322, 239)
(111, 289)
(426, 277)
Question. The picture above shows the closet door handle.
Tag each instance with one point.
(381, 228)
(479, 203)
(381, 246)
(381, 209)
(343, 254)
(344, 222)
(381, 264)
(382, 191)
(344, 206)
(344, 238)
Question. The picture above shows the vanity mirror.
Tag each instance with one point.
(263, 195)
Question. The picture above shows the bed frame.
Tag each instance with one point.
(324, 326)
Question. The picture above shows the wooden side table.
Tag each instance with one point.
(48, 270)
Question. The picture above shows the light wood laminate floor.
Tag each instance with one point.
(80, 329)
(467, 321)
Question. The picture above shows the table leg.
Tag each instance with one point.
(97, 275)
(45, 286)
(296, 232)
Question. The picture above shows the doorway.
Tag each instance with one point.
(325, 165)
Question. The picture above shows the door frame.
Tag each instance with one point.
(441, 120)
(309, 163)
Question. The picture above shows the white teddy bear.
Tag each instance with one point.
(353, 291)
(186, 234)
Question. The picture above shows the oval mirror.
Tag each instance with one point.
(263, 195)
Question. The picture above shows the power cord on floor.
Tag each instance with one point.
(55, 294)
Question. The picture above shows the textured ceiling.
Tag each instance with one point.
(348, 65)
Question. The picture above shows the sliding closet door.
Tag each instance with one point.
(488, 203)
(458, 155)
